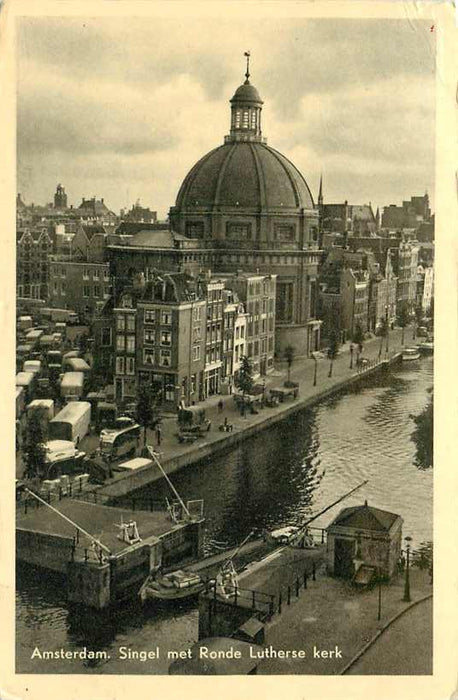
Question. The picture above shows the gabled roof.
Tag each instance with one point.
(365, 517)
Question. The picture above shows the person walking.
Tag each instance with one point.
(158, 435)
(220, 405)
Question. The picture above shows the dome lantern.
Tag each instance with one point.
(246, 106)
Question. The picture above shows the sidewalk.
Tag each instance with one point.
(332, 615)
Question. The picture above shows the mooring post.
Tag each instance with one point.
(279, 602)
(60, 493)
(288, 600)
(85, 555)
(297, 586)
(305, 579)
(253, 605)
(70, 489)
(313, 572)
(322, 536)
(81, 485)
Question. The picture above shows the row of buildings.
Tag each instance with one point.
(283, 269)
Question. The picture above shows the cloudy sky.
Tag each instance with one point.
(122, 108)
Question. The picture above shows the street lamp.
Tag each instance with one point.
(387, 327)
(407, 597)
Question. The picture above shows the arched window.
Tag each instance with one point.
(245, 119)
(237, 119)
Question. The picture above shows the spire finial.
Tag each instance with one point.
(247, 74)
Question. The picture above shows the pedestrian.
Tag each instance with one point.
(158, 435)
(220, 405)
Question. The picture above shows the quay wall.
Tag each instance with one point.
(129, 483)
(43, 549)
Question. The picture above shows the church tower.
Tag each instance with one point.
(60, 198)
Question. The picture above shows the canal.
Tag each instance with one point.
(276, 478)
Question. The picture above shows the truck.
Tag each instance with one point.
(32, 366)
(28, 381)
(71, 423)
(72, 386)
(75, 364)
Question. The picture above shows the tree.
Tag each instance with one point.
(289, 357)
(382, 331)
(422, 436)
(358, 336)
(402, 319)
(333, 347)
(35, 452)
(244, 380)
(147, 407)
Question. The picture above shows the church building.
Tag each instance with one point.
(250, 209)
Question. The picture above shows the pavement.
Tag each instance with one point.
(332, 616)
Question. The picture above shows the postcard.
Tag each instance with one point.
(234, 227)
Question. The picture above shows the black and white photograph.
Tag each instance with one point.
(224, 341)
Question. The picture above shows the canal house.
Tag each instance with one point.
(362, 541)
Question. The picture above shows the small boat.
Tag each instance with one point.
(174, 586)
(410, 354)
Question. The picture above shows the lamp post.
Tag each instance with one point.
(387, 327)
(407, 597)
(315, 370)
(351, 356)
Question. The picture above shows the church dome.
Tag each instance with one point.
(246, 93)
(246, 175)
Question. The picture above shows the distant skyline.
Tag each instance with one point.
(123, 108)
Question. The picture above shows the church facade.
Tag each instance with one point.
(250, 209)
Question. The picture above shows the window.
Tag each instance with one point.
(195, 229)
(149, 336)
(86, 291)
(106, 337)
(285, 232)
(165, 357)
(120, 343)
(242, 331)
(119, 365)
(63, 272)
(250, 349)
(237, 119)
(166, 318)
(196, 352)
(237, 333)
(130, 366)
(97, 290)
(120, 323)
(85, 273)
(63, 289)
(198, 313)
(238, 231)
(197, 335)
(106, 292)
(106, 275)
(150, 316)
(253, 119)
(245, 119)
(55, 289)
(130, 346)
(148, 357)
(96, 274)
(131, 322)
(256, 347)
(166, 338)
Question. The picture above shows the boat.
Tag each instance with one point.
(173, 586)
(410, 354)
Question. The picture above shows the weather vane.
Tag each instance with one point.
(247, 74)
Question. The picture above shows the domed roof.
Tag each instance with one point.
(247, 93)
(246, 175)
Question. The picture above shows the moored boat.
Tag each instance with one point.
(173, 586)
(410, 354)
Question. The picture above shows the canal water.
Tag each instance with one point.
(282, 475)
